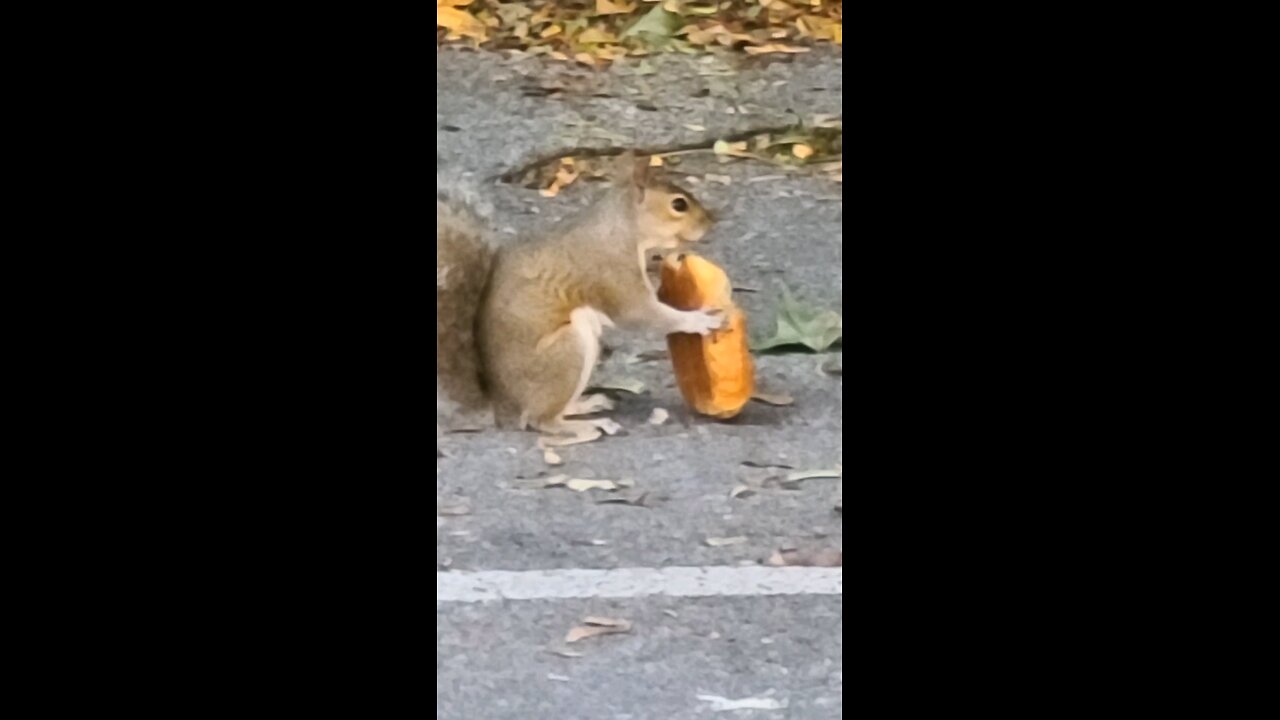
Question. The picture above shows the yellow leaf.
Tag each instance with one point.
(460, 23)
(543, 15)
(819, 28)
(802, 151)
(586, 59)
(551, 31)
(566, 175)
(725, 148)
(775, 48)
(604, 7)
(596, 36)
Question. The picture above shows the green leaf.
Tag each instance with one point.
(658, 25)
(804, 326)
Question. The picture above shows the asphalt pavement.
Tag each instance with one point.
(691, 493)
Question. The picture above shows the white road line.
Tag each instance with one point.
(475, 587)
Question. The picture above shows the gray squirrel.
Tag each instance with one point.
(518, 326)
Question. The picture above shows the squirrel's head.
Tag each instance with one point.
(669, 215)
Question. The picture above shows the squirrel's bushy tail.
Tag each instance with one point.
(464, 254)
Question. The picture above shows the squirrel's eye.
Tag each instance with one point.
(680, 205)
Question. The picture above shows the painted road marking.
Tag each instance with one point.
(475, 587)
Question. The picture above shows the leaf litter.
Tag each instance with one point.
(594, 33)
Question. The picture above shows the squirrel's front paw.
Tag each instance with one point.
(702, 322)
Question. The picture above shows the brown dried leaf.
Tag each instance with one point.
(597, 626)
(641, 502)
(776, 48)
(774, 399)
(605, 7)
(461, 23)
(826, 557)
(634, 387)
(581, 486)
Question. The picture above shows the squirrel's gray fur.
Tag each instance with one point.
(464, 255)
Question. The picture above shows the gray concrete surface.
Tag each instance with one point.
(493, 659)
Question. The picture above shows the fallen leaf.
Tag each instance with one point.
(726, 542)
(775, 48)
(461, 23)
(827, 558)
(580, 486)
(776, 400)
(802, 151)
(640, 502)
(635, 387)
(555, 441)
(696, 128)
(720, 704)
(551, 458)
(656, 28)
(803, 326)
(566, 175)
(659, 417)
(725, 148)
(595, 36)
(452, 510)
(607, 622)
(803, 475)
(557, 678)
(595, 627)
(653, 356)
(570, 654)
(742, 491)
(827, 121)
(605, 7)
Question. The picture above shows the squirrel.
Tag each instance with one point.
(518, 327)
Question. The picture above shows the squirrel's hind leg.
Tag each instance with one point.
(569, 357)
